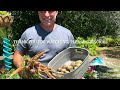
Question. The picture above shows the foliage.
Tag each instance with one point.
(5, 13)
(23, 20)
(109, 41)
(117, 41)
(2, 36)
(2, 33)
(81, 23)
(4, 74)
(89, 44)
(5, 33)
(91, 73)
(90, 23)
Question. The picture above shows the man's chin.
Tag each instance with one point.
(48, 24)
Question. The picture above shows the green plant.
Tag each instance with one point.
(81, 23)
(117, 41)
(6, 33)
(3, 33)
(2, 36)
(23, 20)
(4, 74)
(89, 43)
(108, 41)
(91, 73)
(5, 13)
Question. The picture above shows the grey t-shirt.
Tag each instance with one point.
(35, 40)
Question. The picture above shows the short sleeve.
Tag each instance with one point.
(71, 40)
(22, 44)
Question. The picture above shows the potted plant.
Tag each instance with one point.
(6, 19)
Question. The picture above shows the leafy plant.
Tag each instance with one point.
(89, 43)
(5, 13)
(2, 36)
(91, 73)
(117, 40)
(4, 74)
(5, 33)
(81, 23)
(109, 41)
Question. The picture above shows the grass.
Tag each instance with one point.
(110, 73)
(111, 57)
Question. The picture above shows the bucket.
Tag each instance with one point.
(71, 54)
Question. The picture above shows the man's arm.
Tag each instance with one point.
(17, 59)
(21, 50)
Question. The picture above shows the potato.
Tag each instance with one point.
(63, 70)
(75, 67)
(64, 66)
(79, 61)
(59, 69)
(60, 72)
(73, 63)
(69, 68)
(66, 71)
(68, 63)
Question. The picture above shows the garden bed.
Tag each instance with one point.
(110, 56)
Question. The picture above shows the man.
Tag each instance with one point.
(46, 36)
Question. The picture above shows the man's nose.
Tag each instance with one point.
(46, 13)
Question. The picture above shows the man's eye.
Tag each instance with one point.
(50, 11)
(46, 11)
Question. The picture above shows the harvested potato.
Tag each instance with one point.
(64, 66)
(73, 64)
(60, 72)
(69, 68)
(66, 71)
(75, 67)
(63, 70)
(59, 69)
(78, 61)
(68, 63)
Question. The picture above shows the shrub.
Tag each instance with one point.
(81, 23)
(89, 44)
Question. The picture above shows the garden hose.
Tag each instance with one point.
(7, 53)
(97, 62)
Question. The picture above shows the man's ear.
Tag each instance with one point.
(57, 12)
(38, 12)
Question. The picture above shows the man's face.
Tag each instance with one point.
(47, 17)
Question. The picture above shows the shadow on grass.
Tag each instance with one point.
(112, 52)
(102, 69)
(105, 72)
